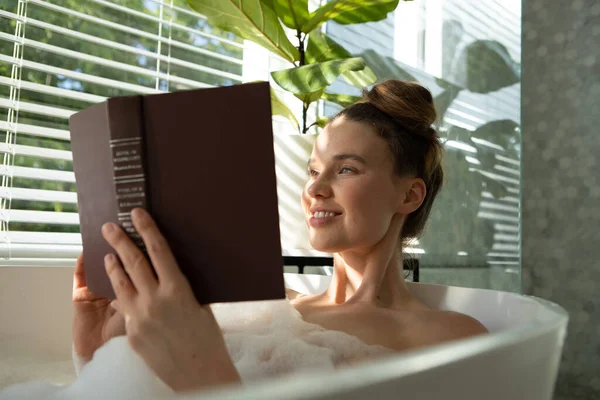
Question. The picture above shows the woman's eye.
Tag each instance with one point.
(312, 172)
(345, 170)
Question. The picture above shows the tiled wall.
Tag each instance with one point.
(561, 177)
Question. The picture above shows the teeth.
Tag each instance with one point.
(323, 214)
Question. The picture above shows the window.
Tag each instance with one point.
(61, 56)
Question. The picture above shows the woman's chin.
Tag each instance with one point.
(325, 246)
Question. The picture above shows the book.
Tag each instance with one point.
(202, 163)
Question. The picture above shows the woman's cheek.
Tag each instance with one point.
(379, 227)
(377, 217)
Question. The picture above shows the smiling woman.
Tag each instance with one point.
(373, 175)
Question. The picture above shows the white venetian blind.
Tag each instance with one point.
(61, 56)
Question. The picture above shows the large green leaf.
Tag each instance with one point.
(443, 100)
(293, 13)
(308, 98)
(389, 68)
(485, 66)
(504, 133)
(350, 12)
(278, 107)
(315, 77)
(343, 100)
(360, 79)
(253, 20)
(323, 48)
(386, 67)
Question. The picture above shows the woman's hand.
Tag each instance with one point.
(177, 337)
(94, 321)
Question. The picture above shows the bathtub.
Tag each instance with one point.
(518, 360)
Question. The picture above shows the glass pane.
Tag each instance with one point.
(468, 55)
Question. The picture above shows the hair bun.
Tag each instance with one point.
(409, 104)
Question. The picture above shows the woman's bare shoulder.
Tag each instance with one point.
(450, 325)
(427, 328)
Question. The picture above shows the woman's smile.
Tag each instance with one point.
(321, 218)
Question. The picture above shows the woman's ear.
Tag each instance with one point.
(414, 194)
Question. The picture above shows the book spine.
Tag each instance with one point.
(127, 150)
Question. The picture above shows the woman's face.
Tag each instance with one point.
(352, 192)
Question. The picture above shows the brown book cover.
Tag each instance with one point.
(202, 163)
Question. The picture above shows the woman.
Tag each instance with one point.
(373, 176)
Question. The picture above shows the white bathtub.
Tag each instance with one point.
(518, 361)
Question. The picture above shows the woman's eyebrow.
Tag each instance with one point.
(348, 156)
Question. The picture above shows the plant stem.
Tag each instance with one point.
(311, 125)
(302, 63)
(304, 112)
(301, 47)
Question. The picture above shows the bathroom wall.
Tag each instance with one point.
(561, 184)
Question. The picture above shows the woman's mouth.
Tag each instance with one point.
(321, 218)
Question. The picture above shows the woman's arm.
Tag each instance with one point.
(177, 337)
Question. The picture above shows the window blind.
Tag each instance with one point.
(61, 56)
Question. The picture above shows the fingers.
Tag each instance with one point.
(133, 259)
(158, 249)
(117, 307)
(79, 275)
(122, 285)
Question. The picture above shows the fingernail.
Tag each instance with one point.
(109, 227)
(137, 213)
(108, 263)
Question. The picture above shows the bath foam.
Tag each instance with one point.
(265, 339)
(270, 338)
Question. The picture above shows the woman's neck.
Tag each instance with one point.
(357, 279)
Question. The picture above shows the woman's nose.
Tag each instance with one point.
(319, 187)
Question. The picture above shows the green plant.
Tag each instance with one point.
(317, 59)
